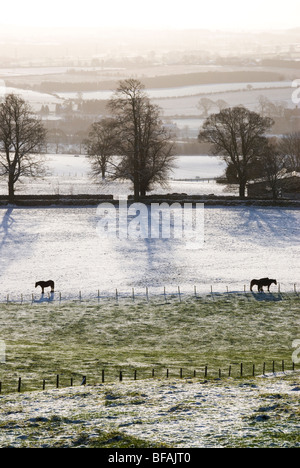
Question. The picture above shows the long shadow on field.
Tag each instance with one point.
(14, 240)
(269, 225)
(267, 297)
(45, 298)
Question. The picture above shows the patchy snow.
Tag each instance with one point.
(175, 413)
(183, 91)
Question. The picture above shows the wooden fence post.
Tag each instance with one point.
(19, 385)
(179, 294)
(102, 375)
(57, 381)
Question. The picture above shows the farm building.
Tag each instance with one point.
(288, 186)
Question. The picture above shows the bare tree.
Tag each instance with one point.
(56, 136)
(205, 104)
(101, 146)
(144, 144)
(273, 166)
(221, 104)
(22, 136)
(290, 149)
(237, 135)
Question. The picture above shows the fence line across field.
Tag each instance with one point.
(134, 294)
(236, 370)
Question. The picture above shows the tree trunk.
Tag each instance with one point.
(136, 191)
(242, 190)
(11, 189)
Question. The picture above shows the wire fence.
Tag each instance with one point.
(243, 370)
(148, 293)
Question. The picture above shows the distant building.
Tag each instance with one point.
(288, 186)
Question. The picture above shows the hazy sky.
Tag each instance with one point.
(220, 14)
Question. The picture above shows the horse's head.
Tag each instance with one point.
(274, 281)
(36, 285)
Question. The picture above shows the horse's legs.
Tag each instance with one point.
(43, 291)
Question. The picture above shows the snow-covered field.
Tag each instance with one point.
(68, 174)
(184, 90)
(178, 101)
(241, 243)
(62, 243)
(181, 414)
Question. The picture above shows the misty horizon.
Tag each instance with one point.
(167, 15)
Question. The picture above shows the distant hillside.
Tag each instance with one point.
(169, 81)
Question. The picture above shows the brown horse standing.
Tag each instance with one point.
(261, 283)
(45, 284)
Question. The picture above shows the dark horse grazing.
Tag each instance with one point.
(261, 283)
(45, 284)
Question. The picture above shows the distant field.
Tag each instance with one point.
(73, 339)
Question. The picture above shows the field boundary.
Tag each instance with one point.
(147, 294)
(96, 199)
(231, 371)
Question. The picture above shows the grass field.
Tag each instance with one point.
(72, 339)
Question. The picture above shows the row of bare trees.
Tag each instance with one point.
(134, 144)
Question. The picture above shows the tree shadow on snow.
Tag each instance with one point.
(268, 224)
